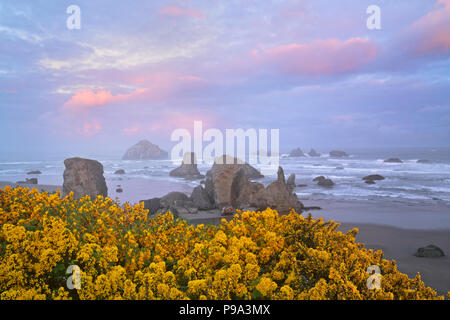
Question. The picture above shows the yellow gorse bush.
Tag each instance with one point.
(123, 254)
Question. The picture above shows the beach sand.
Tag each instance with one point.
(39, 187)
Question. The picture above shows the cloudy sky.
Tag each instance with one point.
(140, 69)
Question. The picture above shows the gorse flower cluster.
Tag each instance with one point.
(123, 254)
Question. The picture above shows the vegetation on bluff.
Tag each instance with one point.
(123, 254)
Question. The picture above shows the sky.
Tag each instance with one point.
(141, 69)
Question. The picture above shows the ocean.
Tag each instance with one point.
(408, 182)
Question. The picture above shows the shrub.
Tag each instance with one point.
(123, 254)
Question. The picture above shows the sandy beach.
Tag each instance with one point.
(40, 187)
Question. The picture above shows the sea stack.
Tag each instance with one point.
(145, 150)
(296, 153)
(84, 177)
(313, 153)
(188, 168)
(338, 154)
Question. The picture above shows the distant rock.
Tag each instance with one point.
(29, 181)
(84, 177)
(324, 182)
(120, 171)
(34, 172)
(119, 190)
(373, 177)
(302, 185)
(145, 150)
(338, 154)
(369, 181)
(200, 199)
(424, 161)
(430, 251)
(188, 168)
(313, 153)
(393, 160)
(328, 183)
(291, 182)
(296, 153)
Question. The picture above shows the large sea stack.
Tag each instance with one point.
(145, 150)
(84, 177)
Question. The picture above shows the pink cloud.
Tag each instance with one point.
(88, 98)
(158, 87)
(433, 30)
(319, 57)
(175, 11)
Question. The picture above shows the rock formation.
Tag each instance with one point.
(145, 150)
(291, 182)
(29, 181)
(393, 160)
(120, 171)
(338, 154)
(324, 182)
(430, 251)
(227, 162)
(296, 153)
(84, 177)
(34, 172)
(200, 199)
(247, 194)
(188, 168)
(313, 153)
(370, 179)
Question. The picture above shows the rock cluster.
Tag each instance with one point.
(324, 182)
(228, 185)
